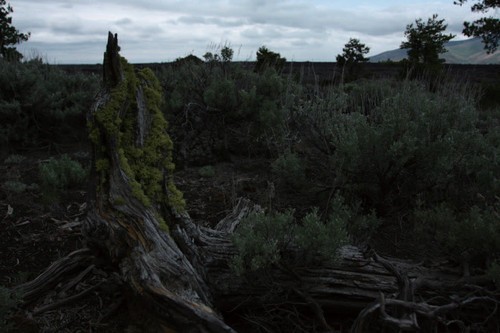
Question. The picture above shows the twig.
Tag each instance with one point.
(316, 308)
(77, 279)
(67, 300)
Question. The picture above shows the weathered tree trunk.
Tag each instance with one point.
(181, 277)
(124, 223)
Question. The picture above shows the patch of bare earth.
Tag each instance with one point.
(35, 231)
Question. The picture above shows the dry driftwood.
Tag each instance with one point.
(182, 279)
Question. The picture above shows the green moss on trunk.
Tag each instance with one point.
(146, 162)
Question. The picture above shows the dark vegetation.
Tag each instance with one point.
(488, 28)
(371, 160)
(425, 43)
(403, 166)
(9, 36)
(42, 105)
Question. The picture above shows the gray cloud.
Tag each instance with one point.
(152, 30)
(124, 21)
(211, 20)
(259, 32)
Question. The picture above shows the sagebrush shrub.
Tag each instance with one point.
(404, 153)
(40, 103)
(473, 233)
(221, 95)
(14, 186)
(14, 159)
(320, 240)
(410, 143)
(261, 240)
(207, 171)
(267, 239)
(289, 169)
(218, 95)
(61, 173)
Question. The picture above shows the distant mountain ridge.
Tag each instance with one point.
(469, 51)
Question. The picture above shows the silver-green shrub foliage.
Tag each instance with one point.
(61, 173)
(397, 151)
(411, 155)
(223, 95)
(264, 240)
(14, 186)
(40, 103)
(290, 169)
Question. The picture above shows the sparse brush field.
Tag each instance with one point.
(409, 167)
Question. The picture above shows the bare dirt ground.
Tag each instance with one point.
(36, 230)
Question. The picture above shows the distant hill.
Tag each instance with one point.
(469, 51)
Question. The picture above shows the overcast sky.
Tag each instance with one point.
(75, 31)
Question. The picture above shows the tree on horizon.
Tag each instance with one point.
(9, 35)
(425, 41)
(353, 52)
(488, 28)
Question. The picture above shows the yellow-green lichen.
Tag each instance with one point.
(136, 187)
(161, 222)
(119, 201)
(148, 165)
(175, 197)
(94, 134)
(109, 116)
(102, 164)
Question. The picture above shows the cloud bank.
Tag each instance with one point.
(158, 31)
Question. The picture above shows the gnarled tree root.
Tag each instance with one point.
(59, 271)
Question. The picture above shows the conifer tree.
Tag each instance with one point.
(9, 35)
(488, 28)
(426, 40)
